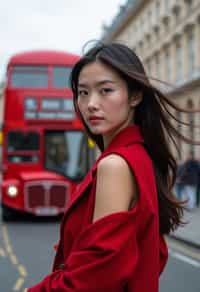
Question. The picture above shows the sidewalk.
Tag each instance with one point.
(190, 233)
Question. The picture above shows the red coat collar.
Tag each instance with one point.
(129, 135)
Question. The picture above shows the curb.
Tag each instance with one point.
(186, 241)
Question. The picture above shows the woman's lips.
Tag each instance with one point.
(95, 120)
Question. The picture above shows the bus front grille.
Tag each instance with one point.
(58, 196)
(46, 194)
(36, 196)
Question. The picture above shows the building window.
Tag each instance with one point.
(157, 58)
(188, 4)
(148, 40)
(135, 31)
(140, 47)
(179, 128)
(148, 67)
(191, 52)
(157, 33)
(167, 64)
(167, 6)
(142, 26)
(191, 124)
(177, 13)
(179, 62)
(150, 18)
(157, 10)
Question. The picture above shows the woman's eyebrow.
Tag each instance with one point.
(102, 82)
(105, 81)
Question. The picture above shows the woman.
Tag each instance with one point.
(111, 237)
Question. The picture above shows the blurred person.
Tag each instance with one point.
(57, 155)
(189, 176)
(112, 234)
(198, 188)
(61, 158)
(179, 184)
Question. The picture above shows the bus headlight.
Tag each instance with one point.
(12, 191)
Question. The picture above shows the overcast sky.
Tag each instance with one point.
(51, 24)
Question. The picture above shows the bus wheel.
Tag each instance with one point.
(7, 214)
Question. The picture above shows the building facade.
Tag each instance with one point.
(165, 34)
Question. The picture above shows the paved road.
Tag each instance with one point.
(26, 253)
(180, 276)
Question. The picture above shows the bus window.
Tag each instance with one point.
(18, 140)
(22, 158)
(22, 141)
(61, 76)
(66, 153)
(29, 76)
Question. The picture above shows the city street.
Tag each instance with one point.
(181, 274)
(26, 254)
(80, 81)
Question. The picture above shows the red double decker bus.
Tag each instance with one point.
(45, 150)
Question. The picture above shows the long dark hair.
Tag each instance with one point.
(152, 115)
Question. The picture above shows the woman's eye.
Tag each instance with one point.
(82, 93)
(106, 90)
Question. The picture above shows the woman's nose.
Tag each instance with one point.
(93, 102)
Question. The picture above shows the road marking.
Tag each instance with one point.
(9, 248)
(22, 270)
(2, 253)
(184, 258)
(14, 260)
(19, 283)
(183, 249)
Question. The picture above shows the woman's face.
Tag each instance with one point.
(103, 100)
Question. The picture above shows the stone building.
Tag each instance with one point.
(166, 36)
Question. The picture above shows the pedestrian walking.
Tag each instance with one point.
(198, 188)
(179, 185)
(189, 177)
(112, 234)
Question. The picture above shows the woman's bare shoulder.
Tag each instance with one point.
(111, 161)
(116, 186)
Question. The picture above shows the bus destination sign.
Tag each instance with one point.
(48, 108)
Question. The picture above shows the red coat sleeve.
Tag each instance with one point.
(103, 257)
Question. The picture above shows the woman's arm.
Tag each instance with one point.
(116, 187)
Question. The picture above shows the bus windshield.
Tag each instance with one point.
(66, 153)
(37, 76)
(29, 77)
(61, 76)
(23, 146)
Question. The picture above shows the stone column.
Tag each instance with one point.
(197, 43)
(173, 62)
(184, 41)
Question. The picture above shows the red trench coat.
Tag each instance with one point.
(119, 252)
